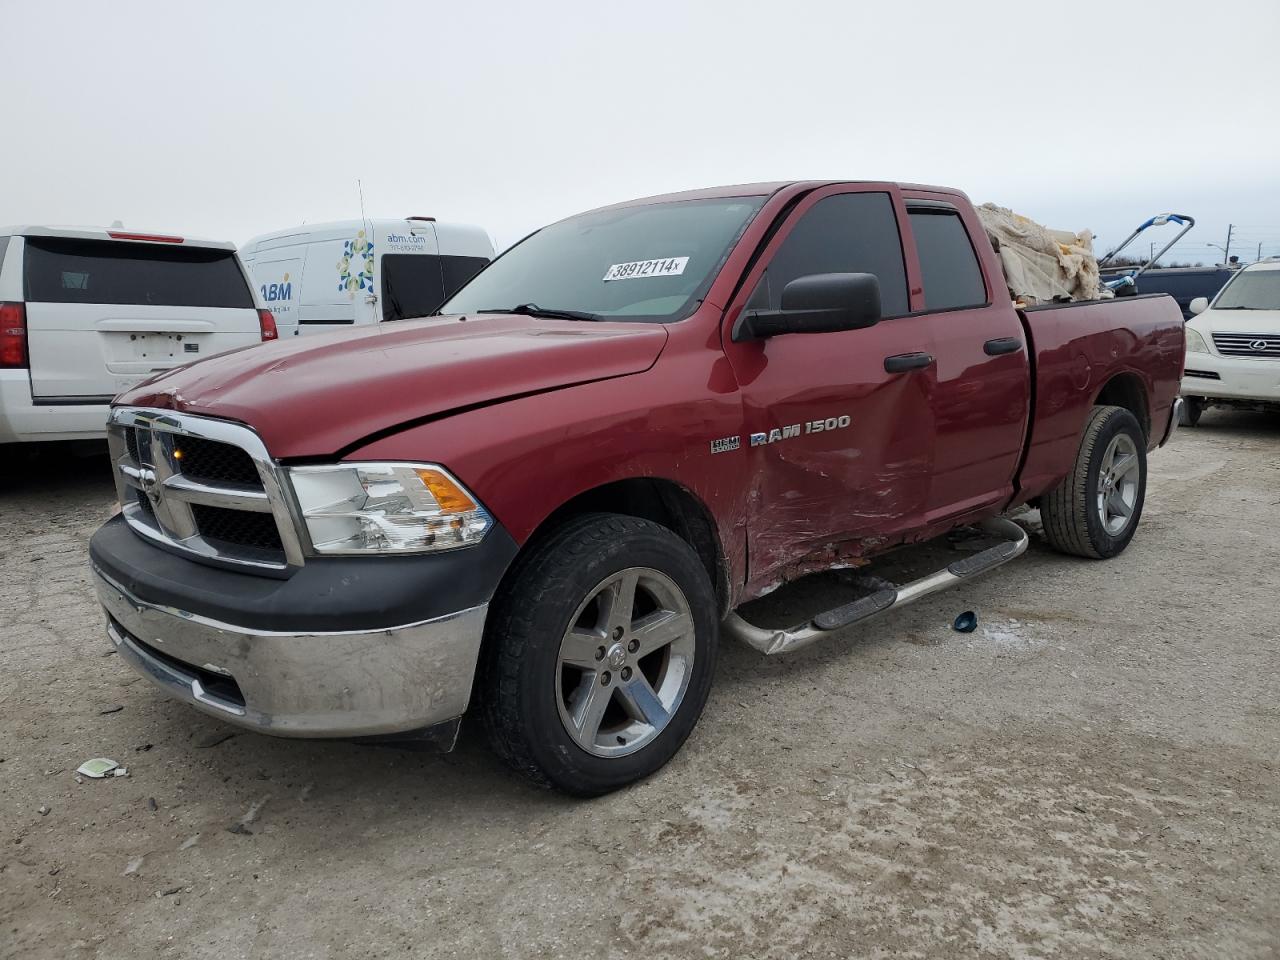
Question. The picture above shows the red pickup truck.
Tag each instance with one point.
(549, 500)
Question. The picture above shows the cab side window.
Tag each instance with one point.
(948, 265)
(844, 233)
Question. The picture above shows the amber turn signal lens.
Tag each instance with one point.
(447, 493)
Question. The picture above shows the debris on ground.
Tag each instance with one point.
(240, 828)
(152, 805)
(133, 866)
(213, 739)
(168, 891)
(114, 708)
(190, 842)
(99, 767)
(967, 622)
(44, 810)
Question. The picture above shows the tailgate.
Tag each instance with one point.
(104, 314)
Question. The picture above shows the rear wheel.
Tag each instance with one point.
(1095, 511)
(600, 654)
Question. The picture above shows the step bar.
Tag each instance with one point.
(1015, 541)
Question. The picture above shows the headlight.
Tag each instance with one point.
(386, 508)
(1195, 342)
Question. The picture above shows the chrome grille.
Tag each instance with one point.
(203, 487)
(1258, 346)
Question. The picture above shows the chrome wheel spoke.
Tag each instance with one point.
(581, 648)
(589, 705)
(660, 628)
(642, 703)
(617, 601)
(1123, 467)
(1117, 505)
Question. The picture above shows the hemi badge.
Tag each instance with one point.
(725, 444)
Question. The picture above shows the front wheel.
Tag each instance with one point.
(1094, 511)
(599, 654)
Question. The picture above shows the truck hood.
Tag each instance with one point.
(316, 395)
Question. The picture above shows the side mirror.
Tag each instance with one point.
(819, 303)
(1199, 305)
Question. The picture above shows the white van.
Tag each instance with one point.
(362, 271)
(86, 313)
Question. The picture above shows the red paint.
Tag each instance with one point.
(530, 413)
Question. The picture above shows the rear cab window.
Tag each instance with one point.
(948, 264)
(71, 270)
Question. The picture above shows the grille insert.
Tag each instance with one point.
(237, 527)
(215, 462)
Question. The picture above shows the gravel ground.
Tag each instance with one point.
(1093, 773)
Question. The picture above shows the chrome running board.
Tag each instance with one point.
(859, 611)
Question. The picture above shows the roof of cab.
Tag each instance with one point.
(768, 189)
(115, 234)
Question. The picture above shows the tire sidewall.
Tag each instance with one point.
(568, 765)
(1118, 421)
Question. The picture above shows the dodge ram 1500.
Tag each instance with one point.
(549, 501)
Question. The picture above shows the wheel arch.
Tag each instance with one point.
(1128, 390)
(664, 502)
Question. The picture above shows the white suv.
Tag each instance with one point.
(1233, 344)
(87, 313)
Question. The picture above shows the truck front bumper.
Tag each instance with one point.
(346, 647)
(348, 684)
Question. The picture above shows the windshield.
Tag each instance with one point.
(652, 262)
(1251, 290)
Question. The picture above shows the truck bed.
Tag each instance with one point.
(1132, 344)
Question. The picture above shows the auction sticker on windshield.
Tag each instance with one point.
(662, 267)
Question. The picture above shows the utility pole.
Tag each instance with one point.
(1259, 256)
(1151, 251)
(1226, 252)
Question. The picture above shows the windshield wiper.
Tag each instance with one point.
(1239, 308)
(533, 310)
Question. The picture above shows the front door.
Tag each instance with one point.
(839, 426)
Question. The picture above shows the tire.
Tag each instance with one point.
(568, 695)
(1073, 511)
(1192, 407)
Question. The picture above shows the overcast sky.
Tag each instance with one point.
(232, 119)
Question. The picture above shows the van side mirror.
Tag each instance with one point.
(1199, 305)
(818, 303)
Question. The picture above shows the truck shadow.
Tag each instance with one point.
(1233, 422)
(61, 468)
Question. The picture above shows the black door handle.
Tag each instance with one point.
(902, 362)
(993, 348)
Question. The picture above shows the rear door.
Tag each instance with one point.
(104, 314)
(839, 426)
(981, 397)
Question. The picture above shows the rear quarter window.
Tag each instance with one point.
(948, 265)
(66, 270)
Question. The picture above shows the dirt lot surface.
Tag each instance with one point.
(1093, 773)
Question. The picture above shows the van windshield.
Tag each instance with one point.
(1251, 290)
(652, 262)
(68, 270)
